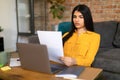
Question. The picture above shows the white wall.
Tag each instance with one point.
(9, 24)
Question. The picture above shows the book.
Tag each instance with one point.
(70, 72)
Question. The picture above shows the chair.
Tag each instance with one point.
(64, 27)
(33, 39)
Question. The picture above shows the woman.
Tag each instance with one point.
(81, 43)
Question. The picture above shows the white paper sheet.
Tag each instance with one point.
(53, 41)
(14, 62)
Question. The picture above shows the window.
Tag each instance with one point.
(31, 16)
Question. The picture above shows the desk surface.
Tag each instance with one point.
(88, 74)
(22, 74)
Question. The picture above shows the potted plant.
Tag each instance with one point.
(57, 8)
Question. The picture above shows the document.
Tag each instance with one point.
(14, 62)
(53, 41)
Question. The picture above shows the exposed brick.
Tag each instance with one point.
(68, 1)
(76, 0)
(117, 11)
(110, 6)
(85, 0)
(98, 11)
(102, 10)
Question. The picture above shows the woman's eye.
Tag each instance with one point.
(80, 16)
(74, 16)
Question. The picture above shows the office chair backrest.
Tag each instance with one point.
(33, 39)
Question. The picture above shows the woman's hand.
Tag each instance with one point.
(68, 61)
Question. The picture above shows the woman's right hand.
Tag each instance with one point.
(68, 61)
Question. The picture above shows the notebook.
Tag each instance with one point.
(35, 57)
(71, 72)
(53, 41)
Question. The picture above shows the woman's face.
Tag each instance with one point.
(78, 20)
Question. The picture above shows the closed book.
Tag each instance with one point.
(70, 72)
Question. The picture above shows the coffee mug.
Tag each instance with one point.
(3, 58)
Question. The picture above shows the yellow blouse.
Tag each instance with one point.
(82, 47)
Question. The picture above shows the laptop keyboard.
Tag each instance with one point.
(57, 67)
(54, 69)
(73, 69)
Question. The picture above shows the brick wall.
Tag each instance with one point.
(102, 10)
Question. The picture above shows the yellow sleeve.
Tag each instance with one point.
(90, 54)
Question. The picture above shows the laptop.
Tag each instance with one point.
(35, 57)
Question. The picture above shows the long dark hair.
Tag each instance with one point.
(88, 21)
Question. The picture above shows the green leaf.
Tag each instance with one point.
(57, 10)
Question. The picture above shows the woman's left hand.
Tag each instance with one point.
(68, 61)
